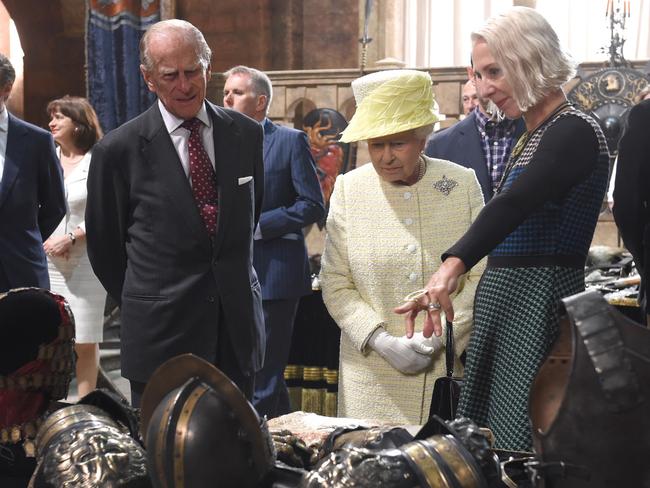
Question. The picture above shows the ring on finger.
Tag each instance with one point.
(433, 306)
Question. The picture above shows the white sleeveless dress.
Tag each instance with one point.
(73, 278)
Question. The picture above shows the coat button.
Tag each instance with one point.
(413, 277)
(408, 221)
(209, 299)
(407, 195)
(411, 248)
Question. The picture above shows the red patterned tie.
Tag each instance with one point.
(204, 181)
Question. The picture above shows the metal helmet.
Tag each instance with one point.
(200, 431)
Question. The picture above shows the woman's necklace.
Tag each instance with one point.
(519, 146)
(69, 164)
(523, 141)
(418, 172)
(70, 161)
(422, 168)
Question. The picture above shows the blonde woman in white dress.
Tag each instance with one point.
(76, 129)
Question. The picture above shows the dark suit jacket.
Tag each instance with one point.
(292, 200)
(149, 247)
(632, 188)
(32, 203)
(461, 144)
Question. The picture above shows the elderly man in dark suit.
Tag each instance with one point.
(632, 192)
(482, 141)
(32, 198)
(292, 200)
(174, 196)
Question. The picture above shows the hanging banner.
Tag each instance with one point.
(114, 84)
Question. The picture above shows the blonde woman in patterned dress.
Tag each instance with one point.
(536, 230)
(75, 129)
(388, 224)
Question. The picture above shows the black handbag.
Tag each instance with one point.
(446, 390)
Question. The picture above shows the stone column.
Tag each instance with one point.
(386, 28)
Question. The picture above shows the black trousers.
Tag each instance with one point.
(225, 360)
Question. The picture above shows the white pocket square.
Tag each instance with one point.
(243, 180)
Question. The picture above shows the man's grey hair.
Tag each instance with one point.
(177, 28)
(529, 52)
(260, 82)
(7, 71)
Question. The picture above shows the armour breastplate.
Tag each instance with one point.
(590, 402)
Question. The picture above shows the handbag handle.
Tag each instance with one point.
(449, 349)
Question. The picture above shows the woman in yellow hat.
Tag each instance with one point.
(388, 224)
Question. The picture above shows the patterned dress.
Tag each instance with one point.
(537, 231)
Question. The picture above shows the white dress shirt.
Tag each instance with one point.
(180, 136)
(4, 127)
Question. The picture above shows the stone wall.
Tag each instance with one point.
(267, 34)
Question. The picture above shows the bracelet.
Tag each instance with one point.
(72, 237)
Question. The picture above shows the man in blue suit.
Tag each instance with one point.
(482, 141)
(32, 198)
(292, 200)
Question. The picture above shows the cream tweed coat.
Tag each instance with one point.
(384, 241)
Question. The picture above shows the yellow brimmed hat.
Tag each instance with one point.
(390, 102)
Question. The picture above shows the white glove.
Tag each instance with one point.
(424, 345)
(409, 356)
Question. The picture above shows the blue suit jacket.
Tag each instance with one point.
(461, 144)
(292, 200)
(32, 203)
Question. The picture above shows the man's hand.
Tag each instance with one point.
(409, 356)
